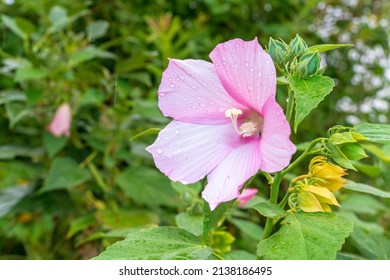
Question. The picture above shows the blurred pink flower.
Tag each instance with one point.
(60, 124)
(226, 122)
(245, 196)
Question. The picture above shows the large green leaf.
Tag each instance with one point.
(307, 236)
(147, 186)
(248, 228)
(359, 187)
(378, 133)
(63, 174)
(308, 94)
(163, 243)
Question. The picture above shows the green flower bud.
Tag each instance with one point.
(308, 65)
(277, 50)
(297, 46)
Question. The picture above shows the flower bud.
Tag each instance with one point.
(277, 50)
(298, 46)
(308, 65)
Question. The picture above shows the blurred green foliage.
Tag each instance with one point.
(70, 198)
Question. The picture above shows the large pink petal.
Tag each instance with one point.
(188, 152)
(226, 180)
(275, 145)
(246, 71)
(191, 91)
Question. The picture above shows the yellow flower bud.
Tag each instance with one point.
(329, 176)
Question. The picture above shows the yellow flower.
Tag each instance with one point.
(326, 174)
(311, 198)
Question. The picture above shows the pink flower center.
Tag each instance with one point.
(252, 124)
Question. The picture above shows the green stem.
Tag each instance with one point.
(302, 156)
(290, 104)
(269, 224)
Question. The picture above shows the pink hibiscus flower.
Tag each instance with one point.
(60, 124)
(226, 122)
(245, 196)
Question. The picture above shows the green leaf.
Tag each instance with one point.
(308, 94)
(306, 236)
(379, 152)
(29, 73)
(82, 55)
(64, 174)
(147, 186)
(353, 151)
(146, 132)
(191, 223)
(13, 151)
(11, 196)
(339, 157)
(247, 228)
(359, 187)
(341, 138)
(372, 246)
(124, 218)
(327, 47)
(163, 243)
(239, 255)
(378, 133)
(53, 144)
(212, 218)
(12, 24)
(270, 210)
(79, 224)
(97, 29)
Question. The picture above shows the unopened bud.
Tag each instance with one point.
(297, 46)
(277, 51)
(309, 65)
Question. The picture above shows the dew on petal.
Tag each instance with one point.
(159, 151)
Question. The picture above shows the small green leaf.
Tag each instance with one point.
(146, 132)
(116, 219)
(13, 151)
(97, 29)
(327, 47)
(212, 218)
(353, 151)
(163, 243)
(359, 187)
(29, 73)
(191, 223)
(64, 174)
(83, 55)
(12, 24)
(11, 196)
(247, 228)
(307, 236)
(379, 152)
(147, 186)
(270, 210)
(308, 94)
(53, 144)
(378, 133)
(339, 157)
(341, 138)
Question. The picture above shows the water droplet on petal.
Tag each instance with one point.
(159, 151)
(181, 77)
(172, 85)
(202, 105)
(177, 131)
